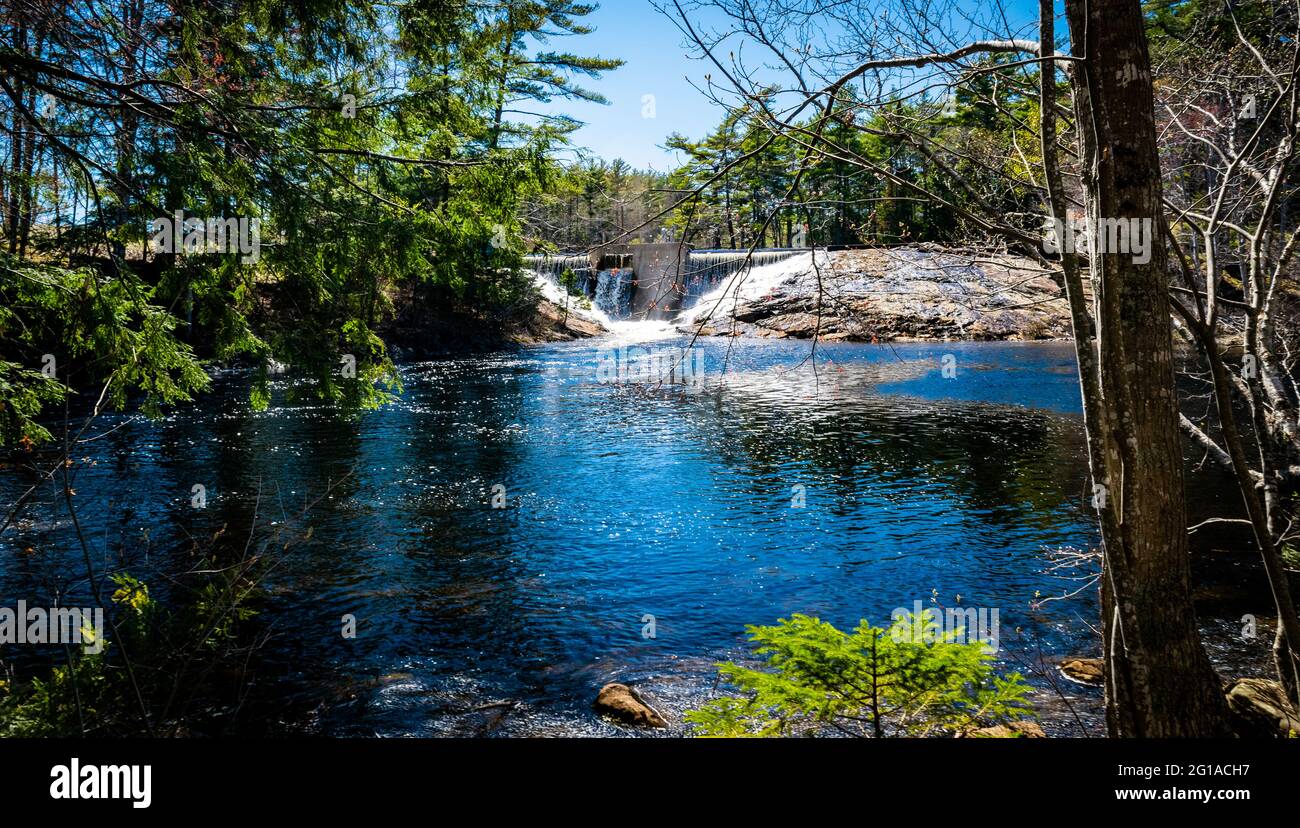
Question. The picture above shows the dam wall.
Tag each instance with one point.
(649, 281)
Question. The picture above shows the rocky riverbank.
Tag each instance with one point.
(916, 293)
(426, 330)
(558, 322)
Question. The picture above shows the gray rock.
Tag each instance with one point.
(1084, 670)
(903, 294)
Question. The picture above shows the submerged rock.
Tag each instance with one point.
(1259, 707)
(911, 293)
(623, 703)
(1084, 670)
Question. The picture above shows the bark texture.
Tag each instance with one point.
(1159, 682)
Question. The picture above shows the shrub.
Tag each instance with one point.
(871, 682)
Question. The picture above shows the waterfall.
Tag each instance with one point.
(612, 288)
(614, 292)
(747, 284)
(706, 269)
(551, 267)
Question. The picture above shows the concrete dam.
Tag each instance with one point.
(649, 281)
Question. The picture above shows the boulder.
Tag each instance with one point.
(877, 295)
(1259, 707)
(1084, 670)
(553, 323)
(624, 704)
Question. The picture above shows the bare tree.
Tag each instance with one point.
(856, 61)
(1232, 122)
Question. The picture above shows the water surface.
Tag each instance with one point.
(622, 500)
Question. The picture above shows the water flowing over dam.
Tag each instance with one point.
(648, 281)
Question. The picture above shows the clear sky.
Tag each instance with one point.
(656, 64)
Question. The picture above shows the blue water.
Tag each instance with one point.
(622, 500)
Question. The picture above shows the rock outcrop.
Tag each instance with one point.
(425, 330)
(553, 323)
(910, 293)
(1021, 729)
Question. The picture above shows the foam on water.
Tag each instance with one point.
(647, 330)
(620, 330)
(747, 285)
(557, 295)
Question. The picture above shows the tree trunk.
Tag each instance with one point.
(17, 132)
(129, 126)
(1159, 681)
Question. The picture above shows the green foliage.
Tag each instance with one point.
(410, 193)
(46, 707)
(23, 393)
(1291, 556)
(1172, 21)
(873, 178)
(569, 281)
(871, 682)
(591, 202)
(169, 649)
(70, 326)
(527, 72)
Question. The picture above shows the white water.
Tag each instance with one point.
(620, 330)
(747, 285)
(557, 295)
(744, 285)
(646, 330)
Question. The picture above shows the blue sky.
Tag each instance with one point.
(656, 64)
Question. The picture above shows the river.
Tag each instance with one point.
(643, 524)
